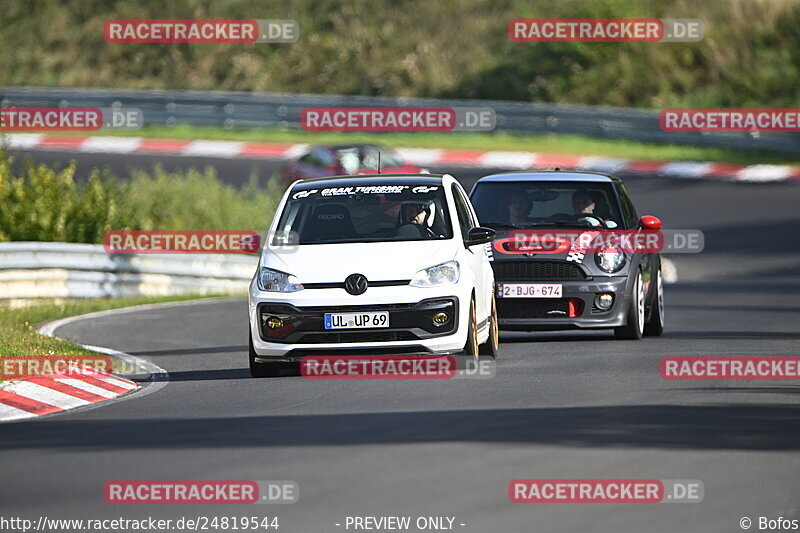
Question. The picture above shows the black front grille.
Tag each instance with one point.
(356, 336)
(340, 284)
(355, 308)
(532, 308)
(536, 270)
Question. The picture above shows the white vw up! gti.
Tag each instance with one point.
(386, 264)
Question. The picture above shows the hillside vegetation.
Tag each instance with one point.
(750, 55)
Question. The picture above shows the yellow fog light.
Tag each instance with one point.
(604, 301)
(440, 319)
(274, 322)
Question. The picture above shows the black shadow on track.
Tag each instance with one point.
(701, 427)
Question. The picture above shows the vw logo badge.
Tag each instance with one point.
(356, 284)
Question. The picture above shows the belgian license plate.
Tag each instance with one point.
(529, 290)
(356, 320)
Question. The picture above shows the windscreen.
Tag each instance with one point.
(357, 159)
(371, 213)
(541, 203)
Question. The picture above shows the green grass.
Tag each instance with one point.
(18, 326)
(551, 144)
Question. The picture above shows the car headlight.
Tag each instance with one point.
(609, 260)
(444, 274)
(277, 281)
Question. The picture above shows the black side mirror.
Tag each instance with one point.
(479, 235)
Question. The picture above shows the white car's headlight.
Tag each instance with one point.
(277, 281)
(444, 274)
(610, 260)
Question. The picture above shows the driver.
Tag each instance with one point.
(584, 204)
(414, 217)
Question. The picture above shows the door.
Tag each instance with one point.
(476, 256)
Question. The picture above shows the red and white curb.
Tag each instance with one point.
(417, 156)
(30, 398)
(39, 396)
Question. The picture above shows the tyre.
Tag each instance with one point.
(262, 370)
(492, 345)
(471, 346)
(634, 327)
(655, 323)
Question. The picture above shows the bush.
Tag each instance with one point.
(43, 203)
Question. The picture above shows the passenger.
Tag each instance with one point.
(518, 207)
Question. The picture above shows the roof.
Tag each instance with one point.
(370, 180)
(550, 175)
(350, 146)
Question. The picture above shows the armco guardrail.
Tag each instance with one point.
(240, 110)
(67, 270)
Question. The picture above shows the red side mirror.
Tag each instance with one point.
(650, 222)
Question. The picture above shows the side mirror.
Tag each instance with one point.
(649, 222)
(479, 235)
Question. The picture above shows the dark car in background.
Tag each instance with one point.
(564, 288)
(345, 160)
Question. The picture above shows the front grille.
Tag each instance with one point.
(532, 308)
(355, 308)
(536, 270)
(340, 284)
(355, 336)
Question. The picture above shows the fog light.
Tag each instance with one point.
(274, 322)
(440, 319)
(604, 301)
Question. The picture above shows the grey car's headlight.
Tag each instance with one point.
(610, 260)
(444, 274)
(277, 281)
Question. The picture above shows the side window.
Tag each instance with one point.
(317, 158)
(473, 216)
(323, 158)
(628, 211)
(462, 210)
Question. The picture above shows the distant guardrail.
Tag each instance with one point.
(241, 110)
(31, 270)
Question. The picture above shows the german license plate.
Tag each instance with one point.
(529, 290)
(356, 320)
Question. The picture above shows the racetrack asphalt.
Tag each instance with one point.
(562, 405)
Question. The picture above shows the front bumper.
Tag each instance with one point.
(411, 328)
(543, 314)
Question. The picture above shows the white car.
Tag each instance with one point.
(385, 264)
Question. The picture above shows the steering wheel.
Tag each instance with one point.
(582, 216)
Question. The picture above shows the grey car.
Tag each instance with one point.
(564, 288)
